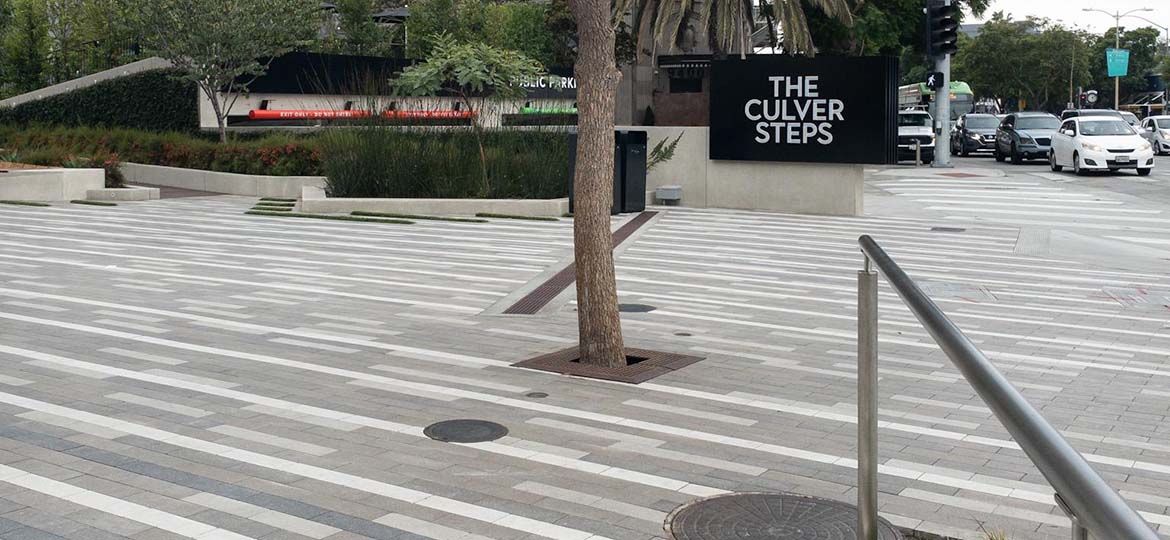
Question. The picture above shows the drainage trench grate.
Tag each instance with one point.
(465, 431)
(769, 516)
(545, 292)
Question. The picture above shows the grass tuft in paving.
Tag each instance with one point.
(511, 216)
(416, 216)
(94, 203)
(25, 203)
(272, 208)
(327, 216)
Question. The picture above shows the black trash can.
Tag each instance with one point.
(618, 169)
(633, 176)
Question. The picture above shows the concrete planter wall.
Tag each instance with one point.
(806, 188)
(219, 182)
(129, 193)
(50, 184)
(314, 201)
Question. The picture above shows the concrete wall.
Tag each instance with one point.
(219, 182)
(50, 184)
(129, 193)
(491, 111)
(315, 202)
(809, 188)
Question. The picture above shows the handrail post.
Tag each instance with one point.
(1079, 532)
(867, 381)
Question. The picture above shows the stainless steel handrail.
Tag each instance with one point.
(1091, 504)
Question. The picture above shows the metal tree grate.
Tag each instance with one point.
(769, 516)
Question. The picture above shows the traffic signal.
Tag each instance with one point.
(942, 28)
(1084, 99)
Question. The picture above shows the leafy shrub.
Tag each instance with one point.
(662, 152)
(153, 100)
(375, 160)
(271, 154)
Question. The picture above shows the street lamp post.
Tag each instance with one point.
(1117, 15)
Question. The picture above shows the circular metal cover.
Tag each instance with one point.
(768, 516)
(635, 308)
(465, 431)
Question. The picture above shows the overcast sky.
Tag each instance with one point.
(1069, 12)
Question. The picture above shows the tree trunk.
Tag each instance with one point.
(477, 129)
(598, 320)
(220, 115)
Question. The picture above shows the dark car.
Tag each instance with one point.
(1071, 113)
(1025, 135)
(974, 133)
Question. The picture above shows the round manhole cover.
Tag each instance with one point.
(768, 516)
(635, 308)
(465, 431)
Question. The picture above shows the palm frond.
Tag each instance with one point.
(730, 22)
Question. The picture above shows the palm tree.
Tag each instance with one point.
(731, 24)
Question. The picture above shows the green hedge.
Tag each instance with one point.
(383, 161)
(375, 160)
(273, 153)
(153, 100)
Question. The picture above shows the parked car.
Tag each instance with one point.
(1073, 113)
(1024, 135)
(1100, 143)
(1156, 129)
(1130, 118)
(974, 133)
(915, 128)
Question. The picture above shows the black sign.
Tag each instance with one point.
(934, 80)
(823, 109)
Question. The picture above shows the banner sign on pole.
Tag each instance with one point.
(1117, 61)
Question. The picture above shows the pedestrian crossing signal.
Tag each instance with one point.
(934, 80)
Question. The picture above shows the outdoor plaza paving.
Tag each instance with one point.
(176, 369)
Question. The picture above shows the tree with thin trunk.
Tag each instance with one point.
(223, 46)
(476, 74)
(598, 321)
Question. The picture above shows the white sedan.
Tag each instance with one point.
(1099, 143)
(1156, 129)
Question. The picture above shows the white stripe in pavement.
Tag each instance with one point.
(985, 204)
(118, 507)
(375, 423)
(987, 210)
(390, 491)
(420, 353)
(279, 286)
(565, 411)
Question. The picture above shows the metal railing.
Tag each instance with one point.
(1081, 493)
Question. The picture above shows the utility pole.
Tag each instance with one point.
(942, 103)
(1117, 15)
(942, 27)
(1117, 79)
(1072, 61)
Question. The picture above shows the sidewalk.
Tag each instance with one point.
(176, 367)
